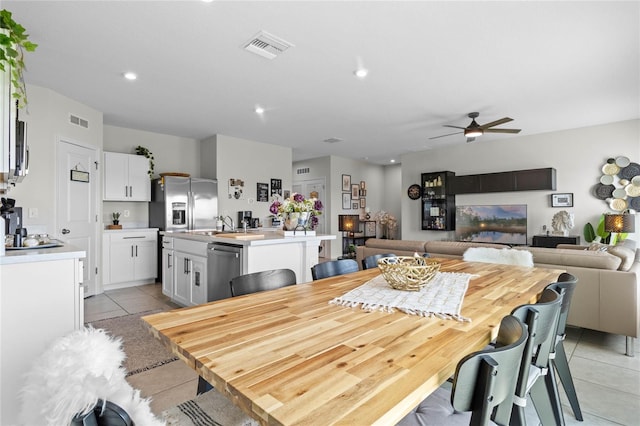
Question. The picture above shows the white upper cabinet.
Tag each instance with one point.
(126, 177)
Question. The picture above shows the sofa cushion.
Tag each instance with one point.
(626, 255)
(455, 248)
(568, 257)
(391, 245)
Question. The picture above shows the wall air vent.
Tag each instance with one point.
(266, 45)
(333, 140)
(74, 119)
(303, 171)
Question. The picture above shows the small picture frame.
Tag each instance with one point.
(355, 205)
(370, 228)
(355, 191)
(562, 200)
(363, 185)
(346, 201)
(346, 182)
(363, 203)
(79, 176)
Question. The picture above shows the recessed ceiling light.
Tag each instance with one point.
(259, 110)
(392, 161)
(361, 72)
(130, 75)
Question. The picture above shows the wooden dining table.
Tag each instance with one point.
(289, 357)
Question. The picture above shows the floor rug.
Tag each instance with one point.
(208, 409)
(143, 351)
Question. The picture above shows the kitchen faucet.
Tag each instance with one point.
(232, 225)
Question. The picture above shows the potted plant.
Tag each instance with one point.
(13, 43)
(116, 218)
(141, 150)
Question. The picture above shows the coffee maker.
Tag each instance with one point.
(12, 215)
(245, 215)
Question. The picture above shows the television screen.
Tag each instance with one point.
(504, 224)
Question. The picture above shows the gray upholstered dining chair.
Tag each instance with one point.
(333, 267)
(541, 319)
(565, 285)
(262, 281)
(372, 261)
(483, 380)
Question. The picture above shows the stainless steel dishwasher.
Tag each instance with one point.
(224, 261)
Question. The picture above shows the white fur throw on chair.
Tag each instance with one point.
(72, 374)
(493, 255)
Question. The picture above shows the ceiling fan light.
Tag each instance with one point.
(473, 133)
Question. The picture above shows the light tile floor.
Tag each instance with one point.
(607, 381)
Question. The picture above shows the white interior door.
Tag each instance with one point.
(315, 188)
(77, 219)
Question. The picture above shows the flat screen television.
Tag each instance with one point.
(504, 224)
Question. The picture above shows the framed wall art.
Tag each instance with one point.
(363, 203)
(346, 201)
(355, 191)
(276, 187)
(562, 200)
(355, 205)
(346, 182)
(262, 192)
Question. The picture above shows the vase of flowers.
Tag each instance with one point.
(387, 222)
(297, 212)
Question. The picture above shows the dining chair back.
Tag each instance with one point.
(541, 319)
(565, 286)
(483, 380)
(262, 281)
(372, 261)
(333, 267)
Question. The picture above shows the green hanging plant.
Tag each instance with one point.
(140, 150)
(13, 43)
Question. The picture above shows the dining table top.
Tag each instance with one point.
(289, 357)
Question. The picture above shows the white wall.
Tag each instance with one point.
(578, 156)
(47, 120)
(251, 162)
(171, 154)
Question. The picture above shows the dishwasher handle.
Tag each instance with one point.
(220, 251)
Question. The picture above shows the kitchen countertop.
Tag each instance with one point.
(41, 255)
(130, 229)
(270, 237)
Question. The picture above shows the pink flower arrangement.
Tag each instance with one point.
(298, 203)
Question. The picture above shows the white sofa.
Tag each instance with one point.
(606, 299)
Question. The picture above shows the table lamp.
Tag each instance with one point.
(618, 222)
(348, 223)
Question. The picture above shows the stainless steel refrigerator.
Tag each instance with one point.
(183, 204)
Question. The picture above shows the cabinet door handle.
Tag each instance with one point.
(197, 280)
(169, 260)
(130, 191)
(188, 266)
(136, 250)
(131, 251)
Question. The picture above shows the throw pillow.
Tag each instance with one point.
(626, 254)
(598, 247)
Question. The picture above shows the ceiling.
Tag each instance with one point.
(548, 65)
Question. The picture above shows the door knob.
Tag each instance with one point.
(65, 231)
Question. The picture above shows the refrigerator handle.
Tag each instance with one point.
(192, 221)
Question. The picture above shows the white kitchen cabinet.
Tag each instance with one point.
(129, 257)
(168, 266)
(190, 272)
(41, 299)
(126, 177)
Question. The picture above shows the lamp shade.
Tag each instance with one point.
(348, 222)
(619, 223)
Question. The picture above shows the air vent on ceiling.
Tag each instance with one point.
(74, 119)
(303, 171)
(333, 140)
(267, 45)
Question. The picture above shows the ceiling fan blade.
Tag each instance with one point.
(448, 134)
(502, 130)
(455, 127)
(496, 123)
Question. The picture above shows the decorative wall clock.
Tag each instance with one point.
(414, 191)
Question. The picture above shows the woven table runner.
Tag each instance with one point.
(441, 297)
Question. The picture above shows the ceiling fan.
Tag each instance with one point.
(473, 130)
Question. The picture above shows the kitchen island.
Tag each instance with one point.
(197, 265)
(41, 299)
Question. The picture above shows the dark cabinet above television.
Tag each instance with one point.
(518, 180)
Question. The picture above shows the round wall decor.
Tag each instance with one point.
(414, 192)
(619, 184)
